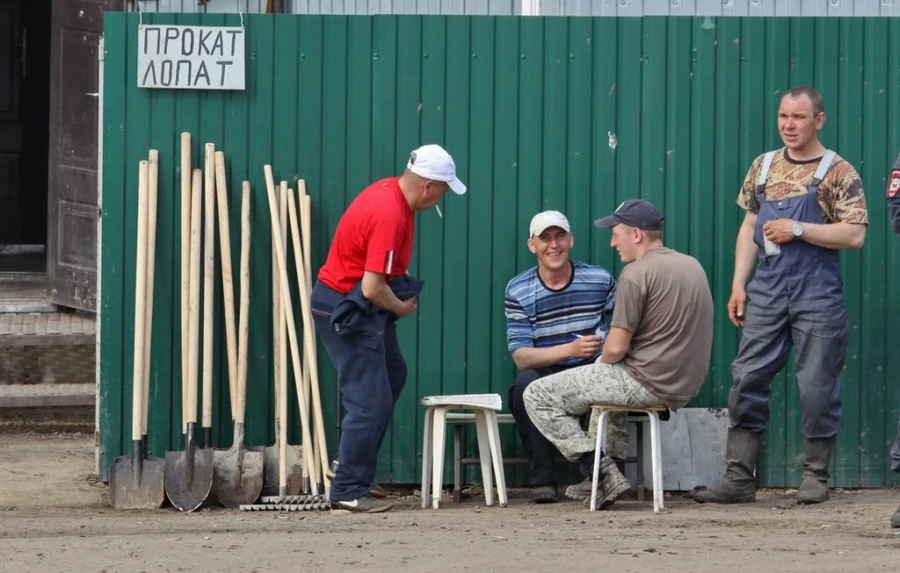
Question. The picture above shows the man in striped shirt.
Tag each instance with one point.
(556, 317)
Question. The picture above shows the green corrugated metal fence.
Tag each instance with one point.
(575, 114)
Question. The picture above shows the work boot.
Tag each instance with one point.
(580, 490)
(739, 485)
(816, 456)
(612, 484)
(895, 519)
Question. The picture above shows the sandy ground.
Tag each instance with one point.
(54, 516)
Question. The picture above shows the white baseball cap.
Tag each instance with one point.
(546, 219)
(433, 162)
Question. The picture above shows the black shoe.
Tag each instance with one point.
(365, 504)
(545, 494)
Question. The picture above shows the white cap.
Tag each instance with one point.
(433, 162)
(547, 219)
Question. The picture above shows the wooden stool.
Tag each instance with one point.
(652, 412)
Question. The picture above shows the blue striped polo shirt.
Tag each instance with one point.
(538, 317)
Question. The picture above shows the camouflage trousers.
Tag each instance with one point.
(554, 403)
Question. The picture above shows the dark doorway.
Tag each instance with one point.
(24, 123)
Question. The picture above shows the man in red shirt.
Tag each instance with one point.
(362, 289)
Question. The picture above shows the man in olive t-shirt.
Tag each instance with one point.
(657, 350)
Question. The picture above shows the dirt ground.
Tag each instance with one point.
(54, 516)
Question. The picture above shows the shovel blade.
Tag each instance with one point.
(144, 489)
(189, 477)
(294, 471)
(237, 476)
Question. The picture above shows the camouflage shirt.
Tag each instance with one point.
(841, 196)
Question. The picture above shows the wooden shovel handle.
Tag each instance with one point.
(282, 320)
(283, 197)
(288, 312)
(140, 299)
(152, 192)
(301, 192)
(280, 385)
(244, 328)
(209, 260)
(312, 373)
(185, 256)
(189, 412)
(308, 338)
(227, 278)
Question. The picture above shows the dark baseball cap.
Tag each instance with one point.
(634, 213)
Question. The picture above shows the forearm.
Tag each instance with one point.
(617, 344)
(612, 356)
(377, 291)
(529, 358)
(835, 235)
(745, 255)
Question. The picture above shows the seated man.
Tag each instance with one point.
(657, 351)
(556, 318)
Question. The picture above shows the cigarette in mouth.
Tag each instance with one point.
(441, 215)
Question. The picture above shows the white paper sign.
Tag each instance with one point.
(191, 57)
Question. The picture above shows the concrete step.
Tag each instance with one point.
(24, 292)
(48, 329)
(47, 395)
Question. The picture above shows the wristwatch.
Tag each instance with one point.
(798, 229)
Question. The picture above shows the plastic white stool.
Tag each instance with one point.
(488, 444)
(652, 412)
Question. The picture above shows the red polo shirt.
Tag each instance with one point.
(374, 234)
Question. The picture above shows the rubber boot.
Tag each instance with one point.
(816, 457)
(739, 485)
(895, 519)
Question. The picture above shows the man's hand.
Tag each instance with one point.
(779, 231)
(736, 306)
(407, 307)
(377, 291)
(584, 346)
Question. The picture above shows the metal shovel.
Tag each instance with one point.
(238, 472)
(189, 473)
(136, 481)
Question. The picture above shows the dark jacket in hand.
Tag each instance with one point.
(356, 314)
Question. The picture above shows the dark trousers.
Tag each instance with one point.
(771, 328)
(538, 449)
(371, 374)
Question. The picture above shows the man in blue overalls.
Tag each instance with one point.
(803, 204)
(893, 200)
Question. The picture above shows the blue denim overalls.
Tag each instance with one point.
(795, 298)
